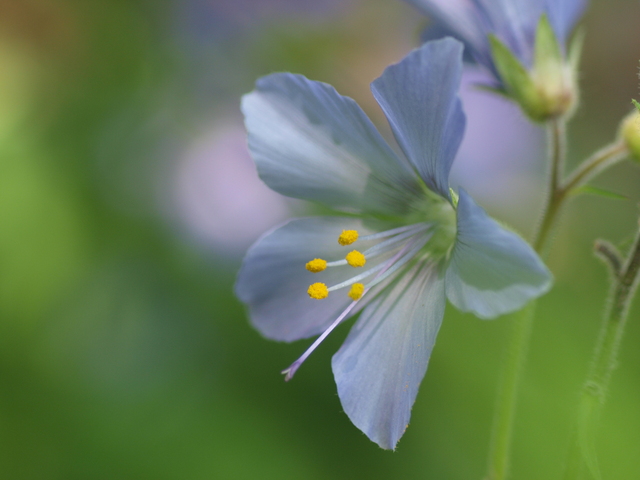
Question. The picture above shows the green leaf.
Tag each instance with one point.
(636, 104)
(590, 189)
(625, 244)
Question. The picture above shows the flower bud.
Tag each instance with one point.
(548, 89)
(555, 92)
(630, 133)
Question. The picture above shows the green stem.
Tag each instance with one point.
(522, 323)
(555, 194)
(593, 395)
(559, 191)
(600, 161)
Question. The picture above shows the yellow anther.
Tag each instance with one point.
(318, 291)
(316, 265)
(357, 289)
(356, 259)
(347, 237)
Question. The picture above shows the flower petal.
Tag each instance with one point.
(310, 142)
(512, 21)
(436, 31)
(563, 15)
(491, 270)
(458, 16)
(419, 96)
(380, 366)
(273, 280)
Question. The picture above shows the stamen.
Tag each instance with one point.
(388, 243)
(357, 278)
(290, 372)
(414, 247)
(347, 237)
(337, 263)
(356, 291)
(316, 265)
(393, 231)
(356, 259)
(318, 291)
(385, 246)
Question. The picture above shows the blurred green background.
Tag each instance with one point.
(127, 199)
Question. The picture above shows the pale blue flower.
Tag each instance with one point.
(514, 22)
(310, 142)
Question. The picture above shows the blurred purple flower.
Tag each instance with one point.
(498, 157)
(420, 243)
(218, 195)
(222, 18)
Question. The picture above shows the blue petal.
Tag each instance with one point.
(310, 142)
(437, 31)
(563, 15)
(419, 98)
(380, 366)
(457, 16)
(513, 21)
(273, 280)
(491, 270)
(466, 22)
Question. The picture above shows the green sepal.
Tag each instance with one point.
(548, 52)
(454, 197)
(552, 74)
(591, 190)
(575, 49)
(636, 104)
(517, 82)
(513, 74)
(548, 89)
(494, 90)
